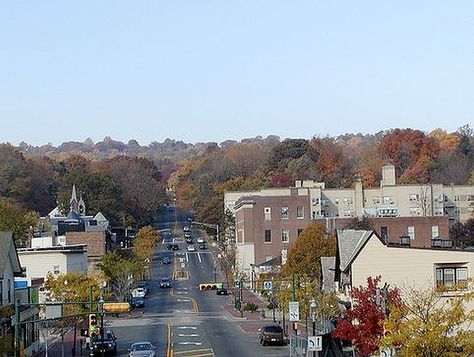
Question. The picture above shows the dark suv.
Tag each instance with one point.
(271, 334)
(108, 345)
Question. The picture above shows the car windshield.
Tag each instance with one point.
(142, 347)
(273, 329)
(165, 280)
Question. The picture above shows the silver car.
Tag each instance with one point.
(142, 349)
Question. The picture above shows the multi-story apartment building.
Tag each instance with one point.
(268, 220)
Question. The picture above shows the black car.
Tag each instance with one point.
(166, 260)
(172, 247)
(137, 301)
(271, 334)
(189, 240)
(202, 246)
(222, 291)
(165, 283)
(108, 345)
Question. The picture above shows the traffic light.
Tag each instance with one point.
(210, 286)
(93, 328)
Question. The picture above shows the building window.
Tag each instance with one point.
(300, 212)
(384, 233)
(284, 256)
(56, 270)
(434, 232)
(284, 213)
(438, 211)
(348, 213)
(414, 211)
(448, 277)
(315, 201)
(299, 231)
(387, 200)
(268, 213)
(336, 201)
(348, 200)
(285, 236)
(268, 236)
(411, 232)
(413, 197)
(376, 200)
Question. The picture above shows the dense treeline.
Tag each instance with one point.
(127, 190)
(418, 157)
(127, 181)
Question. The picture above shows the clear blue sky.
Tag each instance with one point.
(201, 70)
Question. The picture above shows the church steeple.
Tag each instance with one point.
(73, 204)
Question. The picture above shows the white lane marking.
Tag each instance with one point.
(199, 257)
(190, 343)
(187, 257)
(187, 327)
(181, 292)
(188, 335)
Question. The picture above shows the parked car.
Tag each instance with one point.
(144, 285)
(200, 240)
(165, 283)
(222, 291)
(141, 349)
(187, 235)
(137, 302)
(271, 334)
(189, 240)
(166, 260)
(108, 346)
(191, 248)
(138, 292)
(186, 229)
(172, 247)
(202, 246)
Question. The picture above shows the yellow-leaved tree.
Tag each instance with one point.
(431, 323)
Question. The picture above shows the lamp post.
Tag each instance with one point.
(312, 308)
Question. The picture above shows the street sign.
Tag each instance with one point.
(267, 285)
(315, 343)
(294, 310)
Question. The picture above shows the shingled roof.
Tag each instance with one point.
(349, 244)
(8, 254)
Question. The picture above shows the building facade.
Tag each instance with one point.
(269, 220)
(39, 262)
(363, 254)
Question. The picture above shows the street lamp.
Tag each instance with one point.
(312, 309)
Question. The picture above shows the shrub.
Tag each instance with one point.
(250, 306)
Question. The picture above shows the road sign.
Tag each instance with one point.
(315, 343)
(294, 310)
(267, 285)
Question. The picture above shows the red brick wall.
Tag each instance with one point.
(95, 241)
(398, 226)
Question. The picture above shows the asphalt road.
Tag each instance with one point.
(182, 320)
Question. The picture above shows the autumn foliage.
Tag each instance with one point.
(363, 323)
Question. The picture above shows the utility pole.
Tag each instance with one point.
(17, 329)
